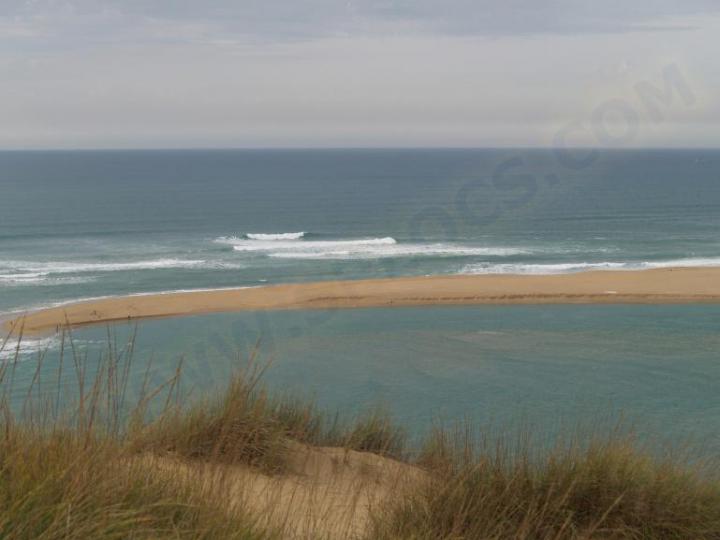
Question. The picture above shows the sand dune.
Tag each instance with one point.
(327, 492)
(667, 285)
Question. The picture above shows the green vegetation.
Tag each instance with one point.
(103, 470)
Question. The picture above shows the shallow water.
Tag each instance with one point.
(549, 367)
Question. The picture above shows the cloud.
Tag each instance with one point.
(73, 22)
(319, 73)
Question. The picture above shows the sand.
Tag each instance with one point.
(326, 493)
(667, 285)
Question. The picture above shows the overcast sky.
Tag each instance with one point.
(398, 73)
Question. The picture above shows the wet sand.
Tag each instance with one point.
(667, 285)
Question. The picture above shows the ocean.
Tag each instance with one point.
(77, 225)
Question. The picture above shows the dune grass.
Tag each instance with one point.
(59, 485)
(606, 487)
(84, 472)
(71, 473)
(247, 425)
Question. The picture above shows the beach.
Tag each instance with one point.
(656, 286)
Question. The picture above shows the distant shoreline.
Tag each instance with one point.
(656, 286)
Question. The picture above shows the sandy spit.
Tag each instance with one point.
(666, 285)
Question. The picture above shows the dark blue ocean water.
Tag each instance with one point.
(87, 224)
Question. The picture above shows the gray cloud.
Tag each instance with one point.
(134, 73)
(118, 20)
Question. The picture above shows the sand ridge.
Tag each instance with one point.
(666, 285)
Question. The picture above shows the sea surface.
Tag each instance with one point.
(77, 225)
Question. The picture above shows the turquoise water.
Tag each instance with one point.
(552, 367)
(77, 225)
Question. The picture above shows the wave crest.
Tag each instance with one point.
(278, 236)
(12, 348)
(574, 267)
(360, 248)
(69, 267)
(16, 273)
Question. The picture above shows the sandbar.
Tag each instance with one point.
(655, 286)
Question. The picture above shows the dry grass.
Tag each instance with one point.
(250, 465)
(602, 488)
(62, 486)
(245, 425)
(242, 465)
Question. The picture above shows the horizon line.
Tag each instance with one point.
(348, 148)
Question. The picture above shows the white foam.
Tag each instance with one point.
(278, 236)
(685, 263)
(27, 346)
(363, 248)
(567, 268)
(405, 250)
(22, 277)
(14, 273)
(199, 289)
(19, 280)
(68, 267)
(31, 347)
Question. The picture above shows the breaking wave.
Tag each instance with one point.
(570, 267)
(17, 273)
(11, 349)
(278, 236)
(363, 248)
(38, 269)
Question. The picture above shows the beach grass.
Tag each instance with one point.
(249, 464)
(597, 488)
(62, 485)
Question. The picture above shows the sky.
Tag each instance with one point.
(378, 73)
